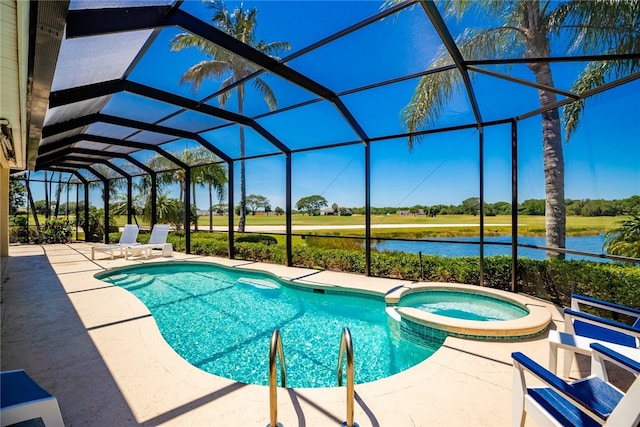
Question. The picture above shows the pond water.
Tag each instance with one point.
(581, 243)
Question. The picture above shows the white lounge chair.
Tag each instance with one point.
(590, 401)
(158, 240)
(24, 400)
(128, 238)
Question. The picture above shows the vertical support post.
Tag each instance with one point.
(288, 220)
(28, 204)
(47, 203)
(187, 210)
(106, 211)
(129, 199)
(77, 208)
(66, 209)
(367, 207)
(230, 209)
(514, 205)
(481, 163)
(154, 199)
(86, 208)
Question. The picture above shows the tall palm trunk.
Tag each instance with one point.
(58, 194)
(193, 197)
(210, 207)
(553, 158)
(243, 184)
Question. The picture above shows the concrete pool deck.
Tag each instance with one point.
(97, 349)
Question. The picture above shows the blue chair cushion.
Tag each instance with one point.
(595, 393)
(560, 409)
(18, 387)
(600, 333)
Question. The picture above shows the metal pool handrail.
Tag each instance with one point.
(274, 351)
(346, 345)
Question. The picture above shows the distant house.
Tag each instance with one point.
(327, 211)
(407, 213)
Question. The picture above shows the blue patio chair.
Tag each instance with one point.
(582, 329)
(24, 402)
(590, 401)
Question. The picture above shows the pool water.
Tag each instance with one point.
(464, 305)
(221, 320)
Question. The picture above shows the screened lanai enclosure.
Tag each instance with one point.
(388, 110)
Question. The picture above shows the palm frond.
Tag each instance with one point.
(202, 71)
(428, 101)
(265, 91)
(624, 240)
(187, 40)
(223, 98)
(435, 90)
(592, 76)
(596, 26)
(273, 49)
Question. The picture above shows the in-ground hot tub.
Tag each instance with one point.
(466, 311)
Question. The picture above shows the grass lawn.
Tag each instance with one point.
(528, 225)
(440, 225)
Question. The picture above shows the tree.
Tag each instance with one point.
(344, 211)
(256, 201)
(279, 211)
(240, 24)
(311, 204)
(471, 206)
(625, 240)
(17, 195)
(212, 174)
(532, 207)
(169, 211)
(527, 30)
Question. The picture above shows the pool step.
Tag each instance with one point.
(134, 281)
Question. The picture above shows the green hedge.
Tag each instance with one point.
(552, 280)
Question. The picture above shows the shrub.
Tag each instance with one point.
(256, 238)
(56, 231)
(19, 230)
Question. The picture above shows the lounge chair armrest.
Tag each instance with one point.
(623, 361)
(601, 321)
(566, 390)
(607, 305)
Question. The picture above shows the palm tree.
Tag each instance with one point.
(115, 185)
(624, 241)
(211, 173)
(142, 199)
(240, 24)
(527, 29)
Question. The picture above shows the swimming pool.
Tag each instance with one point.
(221, 319)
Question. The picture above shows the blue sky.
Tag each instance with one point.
(602, 159)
